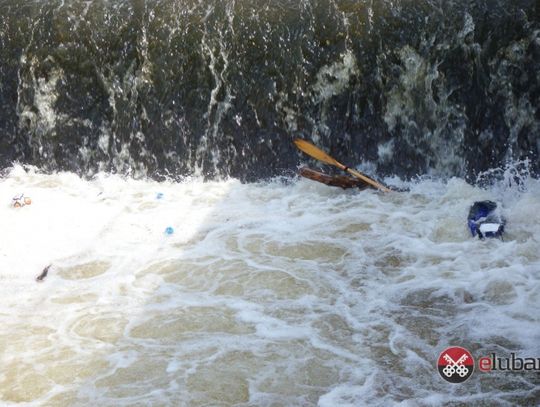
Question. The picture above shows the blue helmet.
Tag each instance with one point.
(484, 220)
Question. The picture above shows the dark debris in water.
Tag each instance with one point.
(43, 274)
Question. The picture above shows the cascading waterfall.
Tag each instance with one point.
(221, 88)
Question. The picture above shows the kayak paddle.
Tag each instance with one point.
(320, 155)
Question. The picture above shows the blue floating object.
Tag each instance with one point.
(159, 195)
(485, 221)
(169, 230)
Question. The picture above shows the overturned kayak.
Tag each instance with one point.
(342, 181)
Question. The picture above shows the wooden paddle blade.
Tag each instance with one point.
(316, 152)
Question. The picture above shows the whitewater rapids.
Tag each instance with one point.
(281, 293)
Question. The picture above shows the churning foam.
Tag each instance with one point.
(280, 293)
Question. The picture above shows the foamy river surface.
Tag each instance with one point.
(284, 293)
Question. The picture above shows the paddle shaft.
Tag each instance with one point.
(365, 179)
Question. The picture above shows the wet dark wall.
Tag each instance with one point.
(220, 88)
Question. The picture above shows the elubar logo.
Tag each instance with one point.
(456, 364)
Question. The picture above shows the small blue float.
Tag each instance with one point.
(169, 230)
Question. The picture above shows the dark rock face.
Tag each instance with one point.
(221, 88)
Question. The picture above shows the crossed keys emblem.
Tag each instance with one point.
(455, 366)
